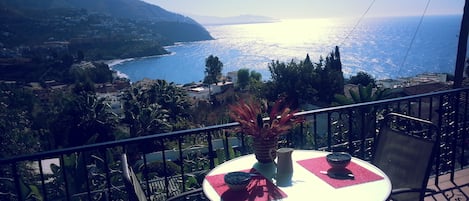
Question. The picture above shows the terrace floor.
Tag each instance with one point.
(449, 191)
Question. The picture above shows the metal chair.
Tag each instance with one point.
(132, 185)
(404, 150)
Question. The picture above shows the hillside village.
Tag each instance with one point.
(111, 92)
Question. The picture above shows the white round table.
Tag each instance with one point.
(306, 185)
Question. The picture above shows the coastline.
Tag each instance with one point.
(114, 62)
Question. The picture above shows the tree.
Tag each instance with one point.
(331, 76)
(98, 73)
(255, 83)
(143, 116)
(364, 118)
(17, 135)
(243, 78)
(363, 94)
(213, 68)
(84, 119)
(283, 82)
(307, 82)
(155, 108)
(173, 99)
(362, 78)
(255, 76)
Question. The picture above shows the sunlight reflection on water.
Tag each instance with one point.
(376, 46)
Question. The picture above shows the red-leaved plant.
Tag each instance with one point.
(249, 114)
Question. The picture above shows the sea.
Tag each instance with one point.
(388, 47)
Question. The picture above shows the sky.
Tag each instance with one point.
(291, 9)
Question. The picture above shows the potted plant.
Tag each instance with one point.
(264, 124)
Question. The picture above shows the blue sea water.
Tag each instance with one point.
(382, 47)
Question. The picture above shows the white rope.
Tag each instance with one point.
(358, 22)
(414, 36)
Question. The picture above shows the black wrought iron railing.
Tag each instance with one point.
(171, 163)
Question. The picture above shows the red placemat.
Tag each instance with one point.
(362, 175)
(259, 188)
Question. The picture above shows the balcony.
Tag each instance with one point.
(170, 163)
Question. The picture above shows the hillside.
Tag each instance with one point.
(131, 9)
(105, 29)
(242, 19)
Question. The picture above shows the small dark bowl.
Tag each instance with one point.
(237, 180)
(338, 160)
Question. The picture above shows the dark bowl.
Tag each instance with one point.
(237, 180)
(338, 160)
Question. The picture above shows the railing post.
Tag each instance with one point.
(454, 101)
(350, 129)
(210, 150)
(165, 170)
(363, 132)
(226, 144)
(43, 184)
(88, 190)
(108, 177)
(315, 131)
(302, 134)
(329, 132)
(145, 174)
(17, 178)
(181, 156)
(64, 174)
(430, 116)
(464, 139)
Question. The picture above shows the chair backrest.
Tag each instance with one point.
(405, 157)
(132, 185)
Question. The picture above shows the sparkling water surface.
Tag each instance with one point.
(381, 47)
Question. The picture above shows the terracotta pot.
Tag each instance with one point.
(265, 149)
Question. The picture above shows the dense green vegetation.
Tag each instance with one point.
(305, 82)
(76, 116)
(53, 66)
(362, 78)
(36, 116)
(101, 36)
(17, 119)
(247, 78)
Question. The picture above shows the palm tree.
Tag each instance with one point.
(164, 102)
(84, 119)
(364, 94)
(364, 118)
(173, 99)
(142, 115)
(157, 108)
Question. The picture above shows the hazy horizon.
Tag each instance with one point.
(297, 9)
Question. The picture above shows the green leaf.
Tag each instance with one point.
(35, 193)
(355, 96)
(342, 100)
